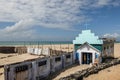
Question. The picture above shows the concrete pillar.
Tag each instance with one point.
(80, 58)
(93, 59)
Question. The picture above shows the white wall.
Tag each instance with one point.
(88, 50)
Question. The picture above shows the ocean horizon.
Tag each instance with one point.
(11, 43)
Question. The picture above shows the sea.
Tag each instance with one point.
(11, 43)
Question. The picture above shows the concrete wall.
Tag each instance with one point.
(108, 49)
(56, 63)
(28, 70)
(42, 68)
(116, 50)
(12, 49)
(67, 59)
(21, 50)
(20, 71)
(37, 69)
(111, 50)
(5, 49)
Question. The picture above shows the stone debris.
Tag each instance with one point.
(92, 70)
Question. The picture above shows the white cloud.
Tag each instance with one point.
(20, 31)
(19, 26)
(103, 2)
(114, 35)
(49, 11)
(46, 13)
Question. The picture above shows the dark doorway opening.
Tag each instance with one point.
(86, 58)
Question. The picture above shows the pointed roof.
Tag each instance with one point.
(86, 43)
(87, 36)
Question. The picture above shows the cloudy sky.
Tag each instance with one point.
(58, 19)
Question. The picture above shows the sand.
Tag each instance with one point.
(2, 55)
(60, 47)
(2, 73)
(17, 58)
(72, 70)
(112, 73)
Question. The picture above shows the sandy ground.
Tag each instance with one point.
(13, 58)
(17, 58)
(112, 73)
(2, 55)
(72, 70)
(60, 47)
(2, 73)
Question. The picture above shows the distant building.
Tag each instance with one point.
(111, 48)
(88, 48)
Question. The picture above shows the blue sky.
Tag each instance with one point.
(58, 20)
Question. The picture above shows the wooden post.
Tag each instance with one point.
(68, 47)
(60, 49)
(51, 49)
(42, 49)
(54, 49)
(38, 44)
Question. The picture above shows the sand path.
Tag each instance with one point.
(72, 70)
(112, 73)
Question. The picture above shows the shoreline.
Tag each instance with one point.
(15, 43)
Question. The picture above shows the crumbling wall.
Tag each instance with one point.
(5, 49)
(12, 49)
(21, 50)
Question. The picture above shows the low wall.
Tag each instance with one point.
(19, 71)
(12, 49)
(56, 63)
(33, 69)
(20, 50)
(5, 49)
(37, 69)
(41, 68)
(67, 60)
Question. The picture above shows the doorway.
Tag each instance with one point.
(86, 58)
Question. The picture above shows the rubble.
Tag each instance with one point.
(92, 70)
